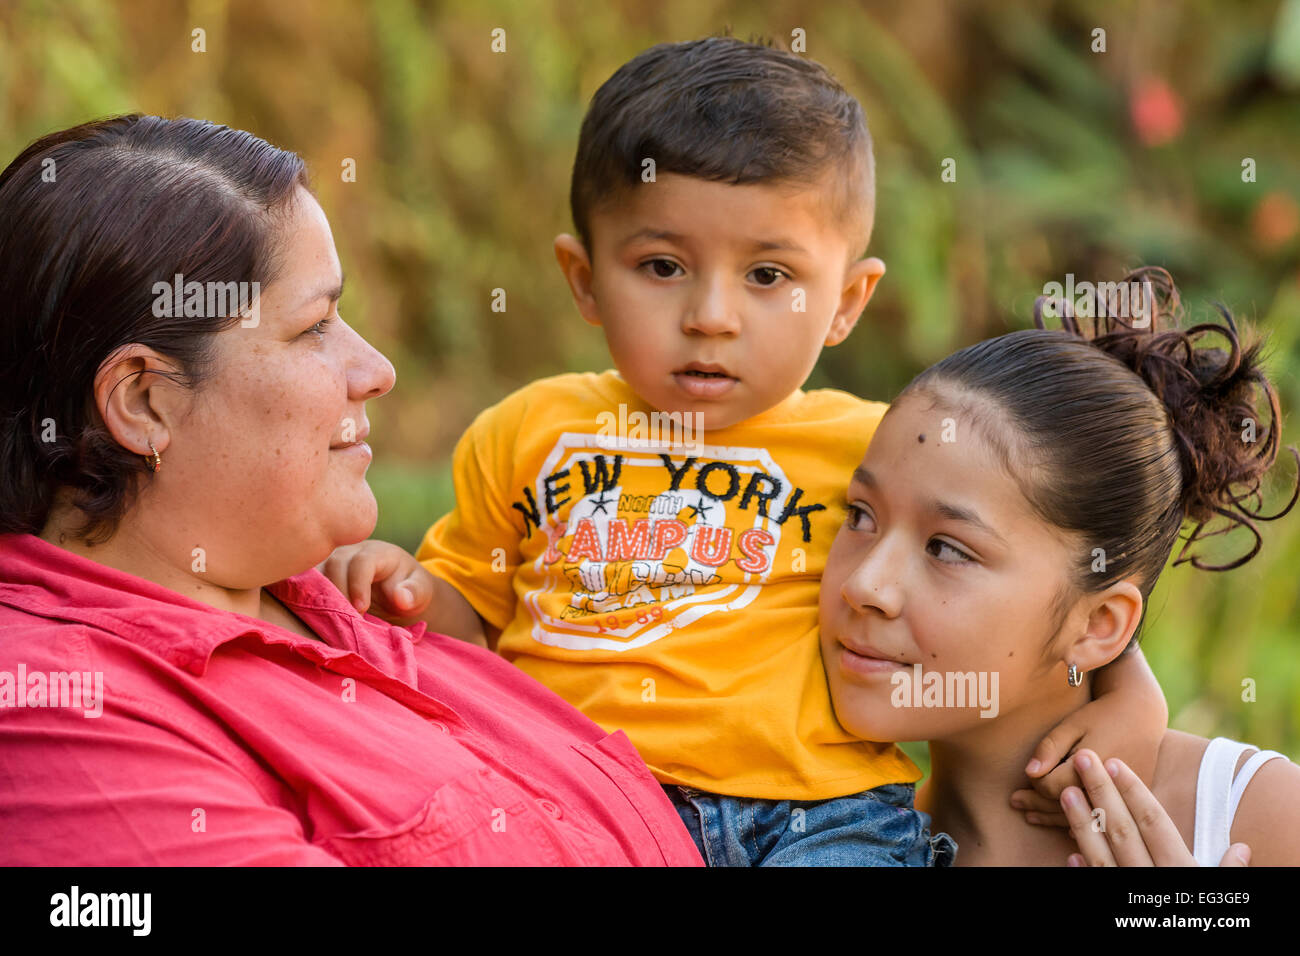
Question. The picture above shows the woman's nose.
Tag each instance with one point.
(370, 374)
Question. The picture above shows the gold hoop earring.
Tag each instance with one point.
(156, 463)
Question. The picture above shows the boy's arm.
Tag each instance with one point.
(1126, 719)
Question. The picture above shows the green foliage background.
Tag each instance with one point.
(463, 158)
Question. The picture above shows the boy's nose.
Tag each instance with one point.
(712, 311)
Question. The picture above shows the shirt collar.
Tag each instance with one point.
(45, 580)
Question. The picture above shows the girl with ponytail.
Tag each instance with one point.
(1004, 532)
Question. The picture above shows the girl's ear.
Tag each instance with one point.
(575, 263)
(1112, 617)
(859, 284)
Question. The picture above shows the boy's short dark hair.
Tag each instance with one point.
(725, 110)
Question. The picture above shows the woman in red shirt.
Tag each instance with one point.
(183, 440)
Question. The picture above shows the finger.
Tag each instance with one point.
(1029, 800)
(408, 593)
(1112, 814)
(1057, 819)
(1238, 855)
(1055, 747)
(1158, 833)
(361, 576)
(1094, 848)
(335, 567)
(1061, 777)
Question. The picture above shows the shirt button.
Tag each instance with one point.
(440, 726)
(550, 808)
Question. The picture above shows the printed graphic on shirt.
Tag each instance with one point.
(644, 540)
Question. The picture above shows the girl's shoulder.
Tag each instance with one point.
(1268, 815)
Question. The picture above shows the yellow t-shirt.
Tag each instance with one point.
(665, 582)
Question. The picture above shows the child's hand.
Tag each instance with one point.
(383, 574)
(1126, 719)
(1049, 775)
(1118, 822)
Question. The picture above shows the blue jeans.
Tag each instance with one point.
(877, 827)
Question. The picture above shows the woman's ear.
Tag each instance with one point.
(1109, 619)
(137, 398)
(575, 263)
(860, 283)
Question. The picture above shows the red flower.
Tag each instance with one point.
(1157, 112)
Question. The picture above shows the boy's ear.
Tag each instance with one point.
(575, 263)
(1112, 617)
(860, 283)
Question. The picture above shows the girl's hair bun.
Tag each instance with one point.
(1222, 409)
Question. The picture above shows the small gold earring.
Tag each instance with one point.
(157, 459)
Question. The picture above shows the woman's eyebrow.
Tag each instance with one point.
(333, 293)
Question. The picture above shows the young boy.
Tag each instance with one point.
(649, 542)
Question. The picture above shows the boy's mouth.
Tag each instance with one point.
(704, 380)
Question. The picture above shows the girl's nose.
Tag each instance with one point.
(875, 583)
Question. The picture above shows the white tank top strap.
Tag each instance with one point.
(1218, 794)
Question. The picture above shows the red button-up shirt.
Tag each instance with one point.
(227, 740)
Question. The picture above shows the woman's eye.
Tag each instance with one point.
(945, 552)
(663, 268)
(319, 328)
(768, 275)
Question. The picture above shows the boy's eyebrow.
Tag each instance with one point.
(652, 234)
(864, 477)
(759, 245)
(783, 245)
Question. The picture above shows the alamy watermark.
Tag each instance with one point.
(684, 430)
(918, 688)
(71, 689)
(1133, 300)
(212, 300)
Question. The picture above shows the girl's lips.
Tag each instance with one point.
(703, 386)
(858, 664)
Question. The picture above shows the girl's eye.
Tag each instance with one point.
(768, 275)
(856, 518)
(663, 268)
(947, 553)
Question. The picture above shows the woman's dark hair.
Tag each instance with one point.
(90, 219)
(1124, 433)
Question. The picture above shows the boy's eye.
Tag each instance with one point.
(663, 268)
(768, 275)
(947, 553)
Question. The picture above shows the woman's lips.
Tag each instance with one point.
(358, 448)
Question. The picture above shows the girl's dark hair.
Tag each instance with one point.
(1123, 433)
(90, 218)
